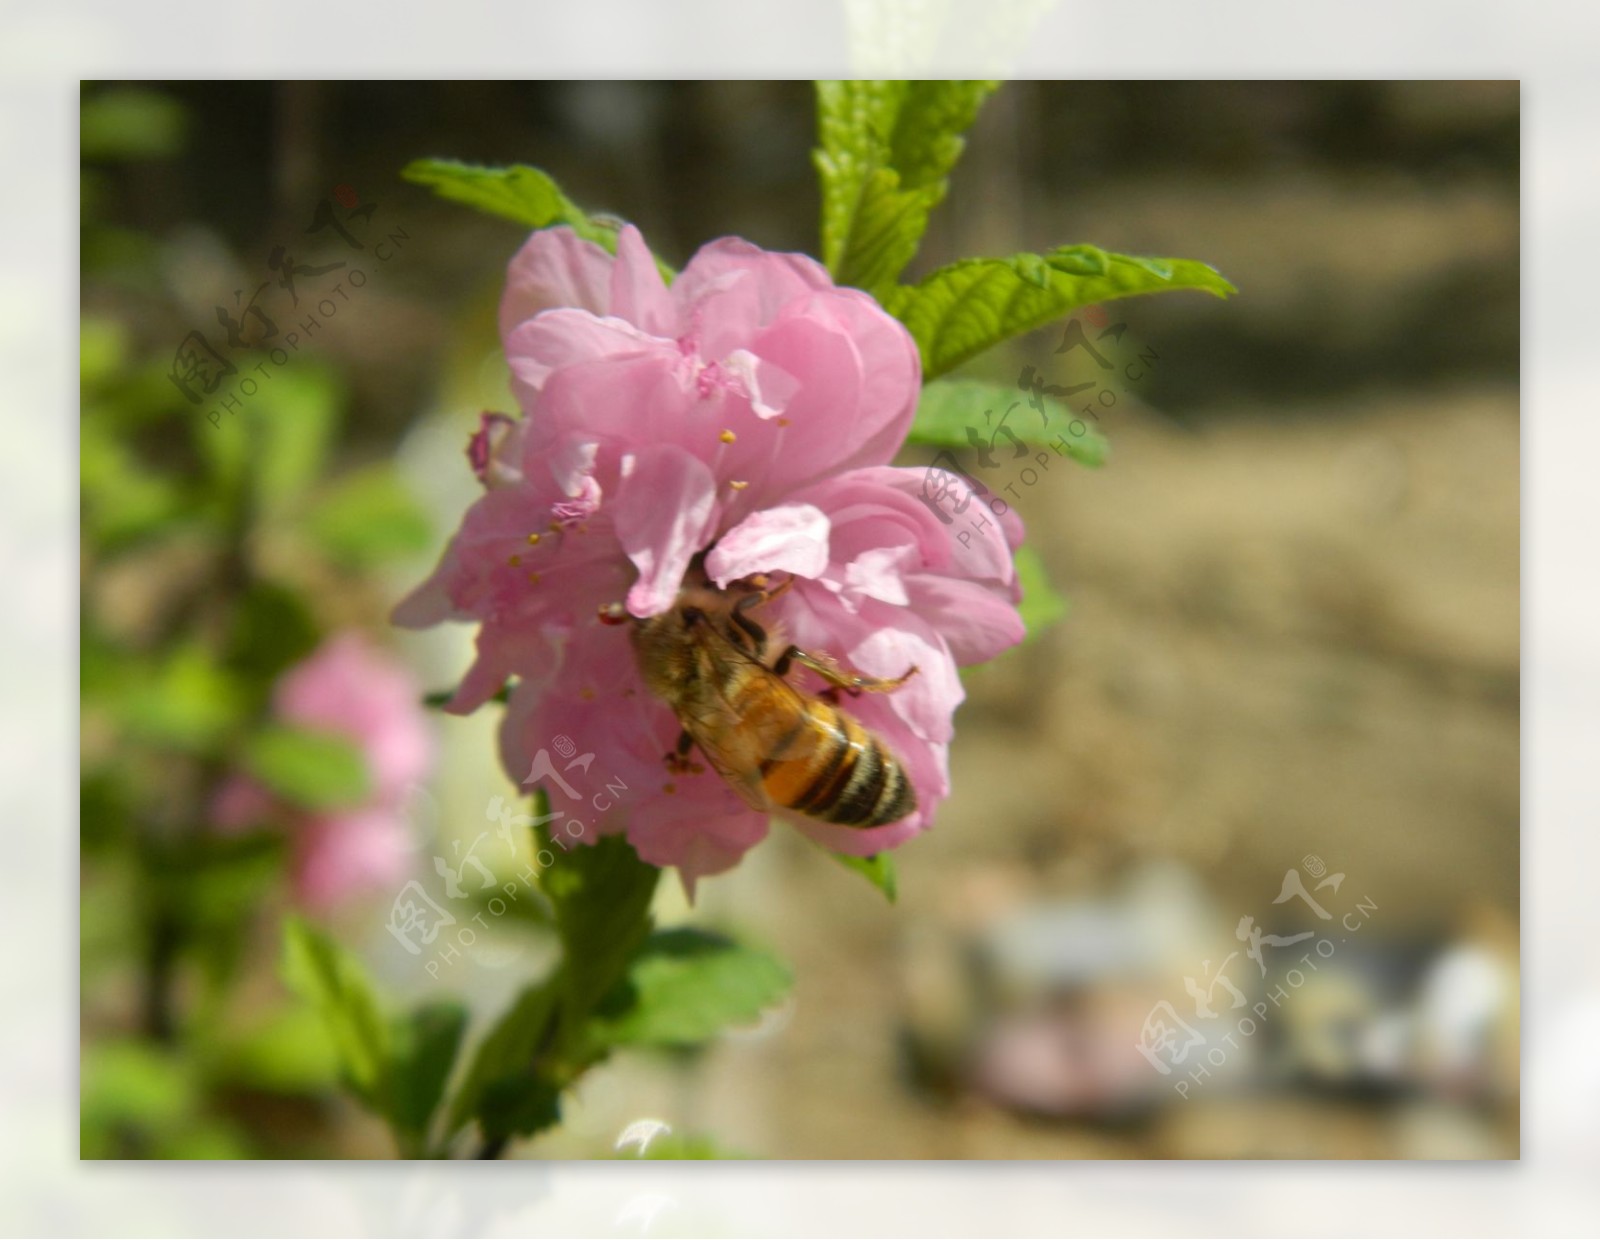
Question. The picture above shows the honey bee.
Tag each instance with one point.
(774, 744)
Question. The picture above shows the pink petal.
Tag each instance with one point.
(973, 545)
(626, 400)
(242, 803)
(892, 369)
(522, 650)
(856, 371)
(337, 858)
(698, 844)
(638, 293)
(975, 621)
(900, 640)
(664, 512)
(732, 289)
(572, 461)
(599, 703)
(349, 687)
(555, 267)
(1011, 524)
(870, 508)
(474, 577)
(427, 605)
(878, 573)
(791, 538)
(769, 388)
(494, 450)
(561, 338)
(825, 407)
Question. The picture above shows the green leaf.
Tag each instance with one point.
(208, 1140)
(187, 701)
(519, 1106)
(290, 1051)
(314, 769)
(228, 453)
(102, 351)
(137, 1101)
(886, 151)
(290, 421)
(425, 1043)
(521, 193)
(272, 628)
(949, 409)
(601, 896)
(130, 122)
(135, 1082)
(333, 981)
(125, 503)
(967, 307)
(214, 885)
(1041, 606)
(878, 870)
(369, 516)
(685, 986)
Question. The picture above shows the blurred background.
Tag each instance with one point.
(1289, 653)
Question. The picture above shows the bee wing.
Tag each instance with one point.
(731, 756)
(733, 749)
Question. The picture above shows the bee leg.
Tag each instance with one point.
(748, 628)
(762, 595)
(678, 759)
(746, 632)
(837, 676)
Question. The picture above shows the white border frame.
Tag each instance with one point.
(1550, 47)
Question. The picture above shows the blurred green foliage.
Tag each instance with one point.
(208, 549)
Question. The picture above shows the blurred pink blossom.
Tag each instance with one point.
(748, 411)
(350, 688)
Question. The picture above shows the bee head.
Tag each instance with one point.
(670, 647)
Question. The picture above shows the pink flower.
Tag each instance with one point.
(747, 414)
(348, 688)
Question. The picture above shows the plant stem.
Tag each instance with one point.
(601, 902)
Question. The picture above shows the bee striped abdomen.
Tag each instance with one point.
(833, 770)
